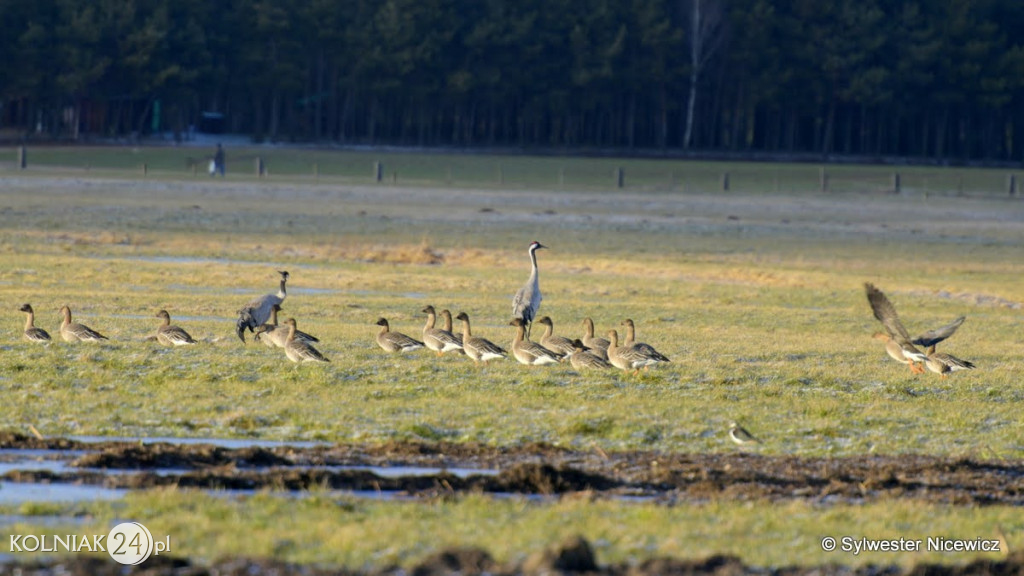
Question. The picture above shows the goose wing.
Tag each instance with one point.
(933, 337)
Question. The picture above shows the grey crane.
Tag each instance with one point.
(526, 302)
(257, 312)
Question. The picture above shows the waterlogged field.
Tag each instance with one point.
(756, 294)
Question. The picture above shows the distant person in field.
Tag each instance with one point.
(218, 161)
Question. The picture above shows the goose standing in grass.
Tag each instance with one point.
(643, 346)
(526, 302)
(530, 353)
(440, 340)
(627, 357)
(75, 332)
(33, 334)
(395, 341)
(598, 346)
(300, 351)
(582, 359)
(257, 312)
(559, 344)
(898, 343)
(170, 335)
(943, 364)
(274, 336)
(478, 349)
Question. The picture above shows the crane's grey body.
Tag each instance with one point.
(257, 312)
(526, 302)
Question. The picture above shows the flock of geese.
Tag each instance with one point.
(259, 317)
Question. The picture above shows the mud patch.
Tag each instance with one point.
(531, 469)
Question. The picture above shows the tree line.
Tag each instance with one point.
(934, 79)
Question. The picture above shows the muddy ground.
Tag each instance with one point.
(535, 469)
(574, 556)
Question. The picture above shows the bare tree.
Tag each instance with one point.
(705, 37)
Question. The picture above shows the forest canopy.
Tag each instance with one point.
(929, 78)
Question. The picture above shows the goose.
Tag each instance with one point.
(943, 364)
(598, 346)
(530, 353)
(559, 344)
(440, 340)
(526, 302)
(32, 333)
(647, 348)
(627, 357)
(478, 349)
(75, 332)
(395, 341)
(169, 335)
(299, 351)
(274, 336)
(898, 343)
(257, 311)
(583, 359)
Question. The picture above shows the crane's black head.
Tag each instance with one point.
(536, 246)
(284, 274)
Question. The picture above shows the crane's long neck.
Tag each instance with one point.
(282, 292)
(533, 260)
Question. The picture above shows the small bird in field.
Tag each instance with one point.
(170, 335)
(395, 341)
(32, 333)
(75, 332)
(740, 435)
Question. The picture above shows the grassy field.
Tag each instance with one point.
(756, 295)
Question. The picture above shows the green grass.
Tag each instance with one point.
(336, 530)
(756, 296)
(504, 171)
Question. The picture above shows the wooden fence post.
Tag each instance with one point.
(896, 182)
(259, 167)
(620, 177)
(145, 169)
(22, 158)
(725, 181)
(1011, 184)
(378, 171)
(823, 179)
